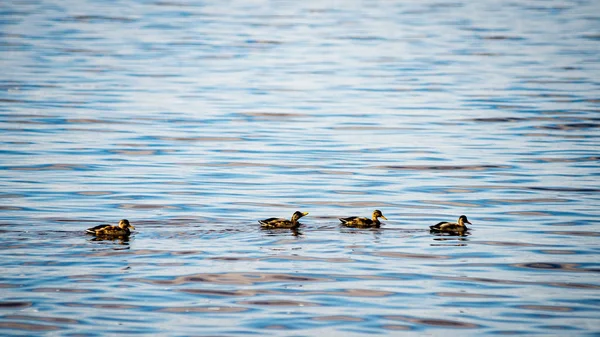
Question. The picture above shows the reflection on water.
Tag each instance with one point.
(282, 231)
(194, 120)
(120, 240)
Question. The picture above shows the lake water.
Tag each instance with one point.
(196, 119)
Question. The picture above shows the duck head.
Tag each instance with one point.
(124, 223)
(377, 214)
(462, 220)
(297, 215)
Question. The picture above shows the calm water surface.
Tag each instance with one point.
(195, 119)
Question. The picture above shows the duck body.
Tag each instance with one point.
(282, 223)
(451, 227)
(359, 222)
(121, 230)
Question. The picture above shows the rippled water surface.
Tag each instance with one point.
(196, 119)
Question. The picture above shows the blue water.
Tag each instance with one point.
(196, 119)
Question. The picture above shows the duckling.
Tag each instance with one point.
(363, 222)
(122, 230)
(283, 223)
(452, 227)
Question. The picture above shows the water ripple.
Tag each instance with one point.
(195, 120)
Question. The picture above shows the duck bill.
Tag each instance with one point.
(130, 226)
(304, 213)
(383, 217)
(467, 221)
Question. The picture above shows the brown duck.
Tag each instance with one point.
(283, 223)
(122, 230)
(451, 227)
(363, 222)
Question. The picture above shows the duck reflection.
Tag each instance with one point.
(120, 240)
(283, 231)
(450, 239)
(375, 231)
(458, 234)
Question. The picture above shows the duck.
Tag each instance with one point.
(363, 222)
(283, 223)
(121, 230)
(451, 227)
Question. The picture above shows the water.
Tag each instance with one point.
(195, 120)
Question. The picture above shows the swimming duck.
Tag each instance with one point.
(283, 223)
(363, 222)
(452, 227)
(122, 230)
